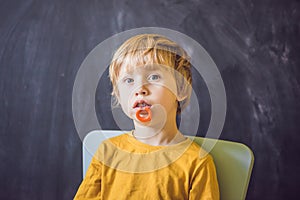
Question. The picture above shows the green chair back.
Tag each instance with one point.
(234, 162)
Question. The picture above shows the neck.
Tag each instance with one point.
(157, 136)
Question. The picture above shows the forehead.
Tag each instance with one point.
(130, 69)
(133, 68)
(152, 60)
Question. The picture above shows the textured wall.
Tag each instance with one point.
(42, 44)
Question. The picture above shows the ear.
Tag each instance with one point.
(181, 97)
(184, 93)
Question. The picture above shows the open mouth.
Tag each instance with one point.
(143, 112)
(141, 104)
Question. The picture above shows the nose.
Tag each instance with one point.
(142, 91)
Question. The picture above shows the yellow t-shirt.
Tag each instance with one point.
(125, 168)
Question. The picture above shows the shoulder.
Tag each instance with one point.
(195, 153)
(111, 145)
(116, 140)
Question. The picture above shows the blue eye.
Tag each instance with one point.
(154, 77)
(128, 80)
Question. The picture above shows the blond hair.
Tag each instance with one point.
(146, 49)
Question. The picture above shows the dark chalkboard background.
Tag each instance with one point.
(255, 45)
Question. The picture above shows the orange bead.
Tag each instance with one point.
(143, 119)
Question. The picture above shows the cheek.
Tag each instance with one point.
(166, 92)
(170, 98)
(168, 89)
(125, 100)
(123, 92)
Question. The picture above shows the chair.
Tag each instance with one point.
(234, 162)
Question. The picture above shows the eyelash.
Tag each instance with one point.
(154, 75)
(128, 79)
(150, 78)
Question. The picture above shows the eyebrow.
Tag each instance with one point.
(130, 70)
(152, 67)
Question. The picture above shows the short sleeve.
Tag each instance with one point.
(204, 184)
(90, 188)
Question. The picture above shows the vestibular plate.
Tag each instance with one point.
(143, 114)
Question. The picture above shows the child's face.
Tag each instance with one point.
(150, 85)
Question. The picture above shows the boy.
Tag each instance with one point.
(151, 80)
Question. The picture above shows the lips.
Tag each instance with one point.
(141, 104)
